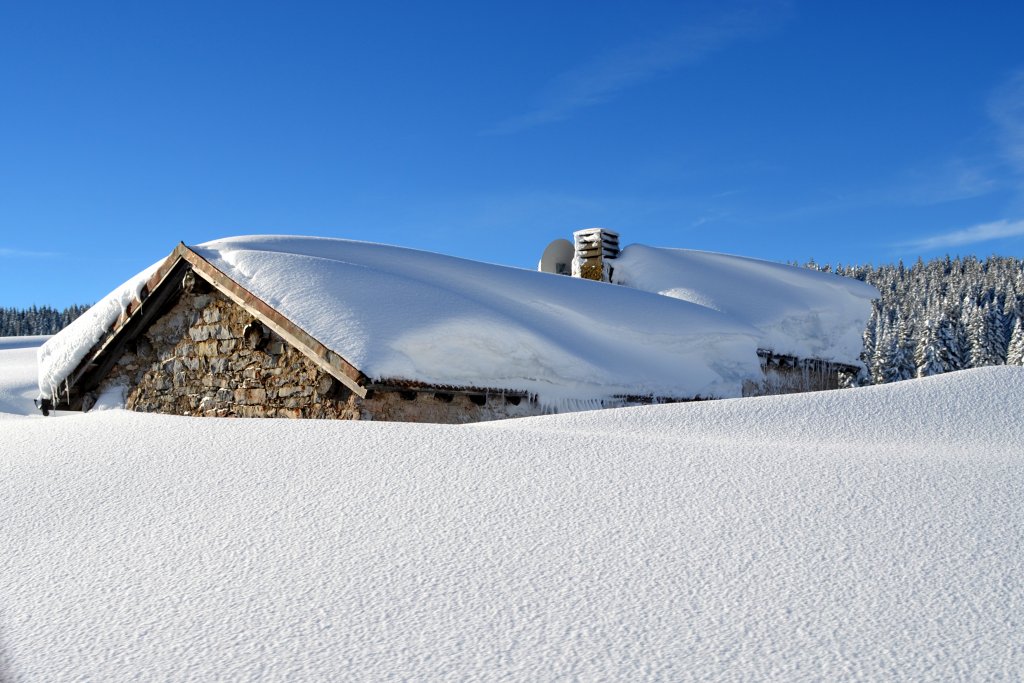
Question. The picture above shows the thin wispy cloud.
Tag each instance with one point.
(983, 232)
(713, 216)
(928, 184)
(1006, 108)
(23, 253)
(608, 76)
(996, 164)
(950, 181)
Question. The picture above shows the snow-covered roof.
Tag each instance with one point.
(403, 314)
(796, 311)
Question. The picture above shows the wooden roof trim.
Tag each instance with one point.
(95, 356)
(328, 360)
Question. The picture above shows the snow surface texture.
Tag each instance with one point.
(724, 540)
(797, 311)
(399, 313)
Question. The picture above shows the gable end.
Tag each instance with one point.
(158, 295)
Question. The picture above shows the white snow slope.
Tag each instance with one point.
(18, 381)
(797, 311)
(405, 314)
(872, 534)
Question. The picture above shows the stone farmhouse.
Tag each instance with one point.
(321, 328)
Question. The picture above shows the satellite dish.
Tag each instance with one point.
(557, 258)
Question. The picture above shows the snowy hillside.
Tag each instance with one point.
(872, 534)
(18, 377)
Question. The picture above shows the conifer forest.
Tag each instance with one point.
(940, 316)
(15, 322)
(932, 317)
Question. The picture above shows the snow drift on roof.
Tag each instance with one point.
(59, 356)
(797, 311)
(402, 314)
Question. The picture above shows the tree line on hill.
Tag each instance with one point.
(17, 322)
(933, 317)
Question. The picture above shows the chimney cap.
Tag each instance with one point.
(592, 231)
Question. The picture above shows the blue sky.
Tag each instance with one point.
(852, 132)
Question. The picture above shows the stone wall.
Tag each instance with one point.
(444, 407)
(207, 356)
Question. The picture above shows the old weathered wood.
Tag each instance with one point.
(410, 385)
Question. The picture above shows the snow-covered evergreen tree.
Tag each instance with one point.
(895, 361)
(987, 336)
(929, 352)
(951, 337)
(997, 332)
(1015, 353)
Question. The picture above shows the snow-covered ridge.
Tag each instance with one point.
(958, 408)
(796, 311)
(23, 342)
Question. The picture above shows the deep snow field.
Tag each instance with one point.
(872, 534)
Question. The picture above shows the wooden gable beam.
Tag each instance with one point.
(329, 361)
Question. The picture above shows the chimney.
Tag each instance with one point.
(594, 248)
